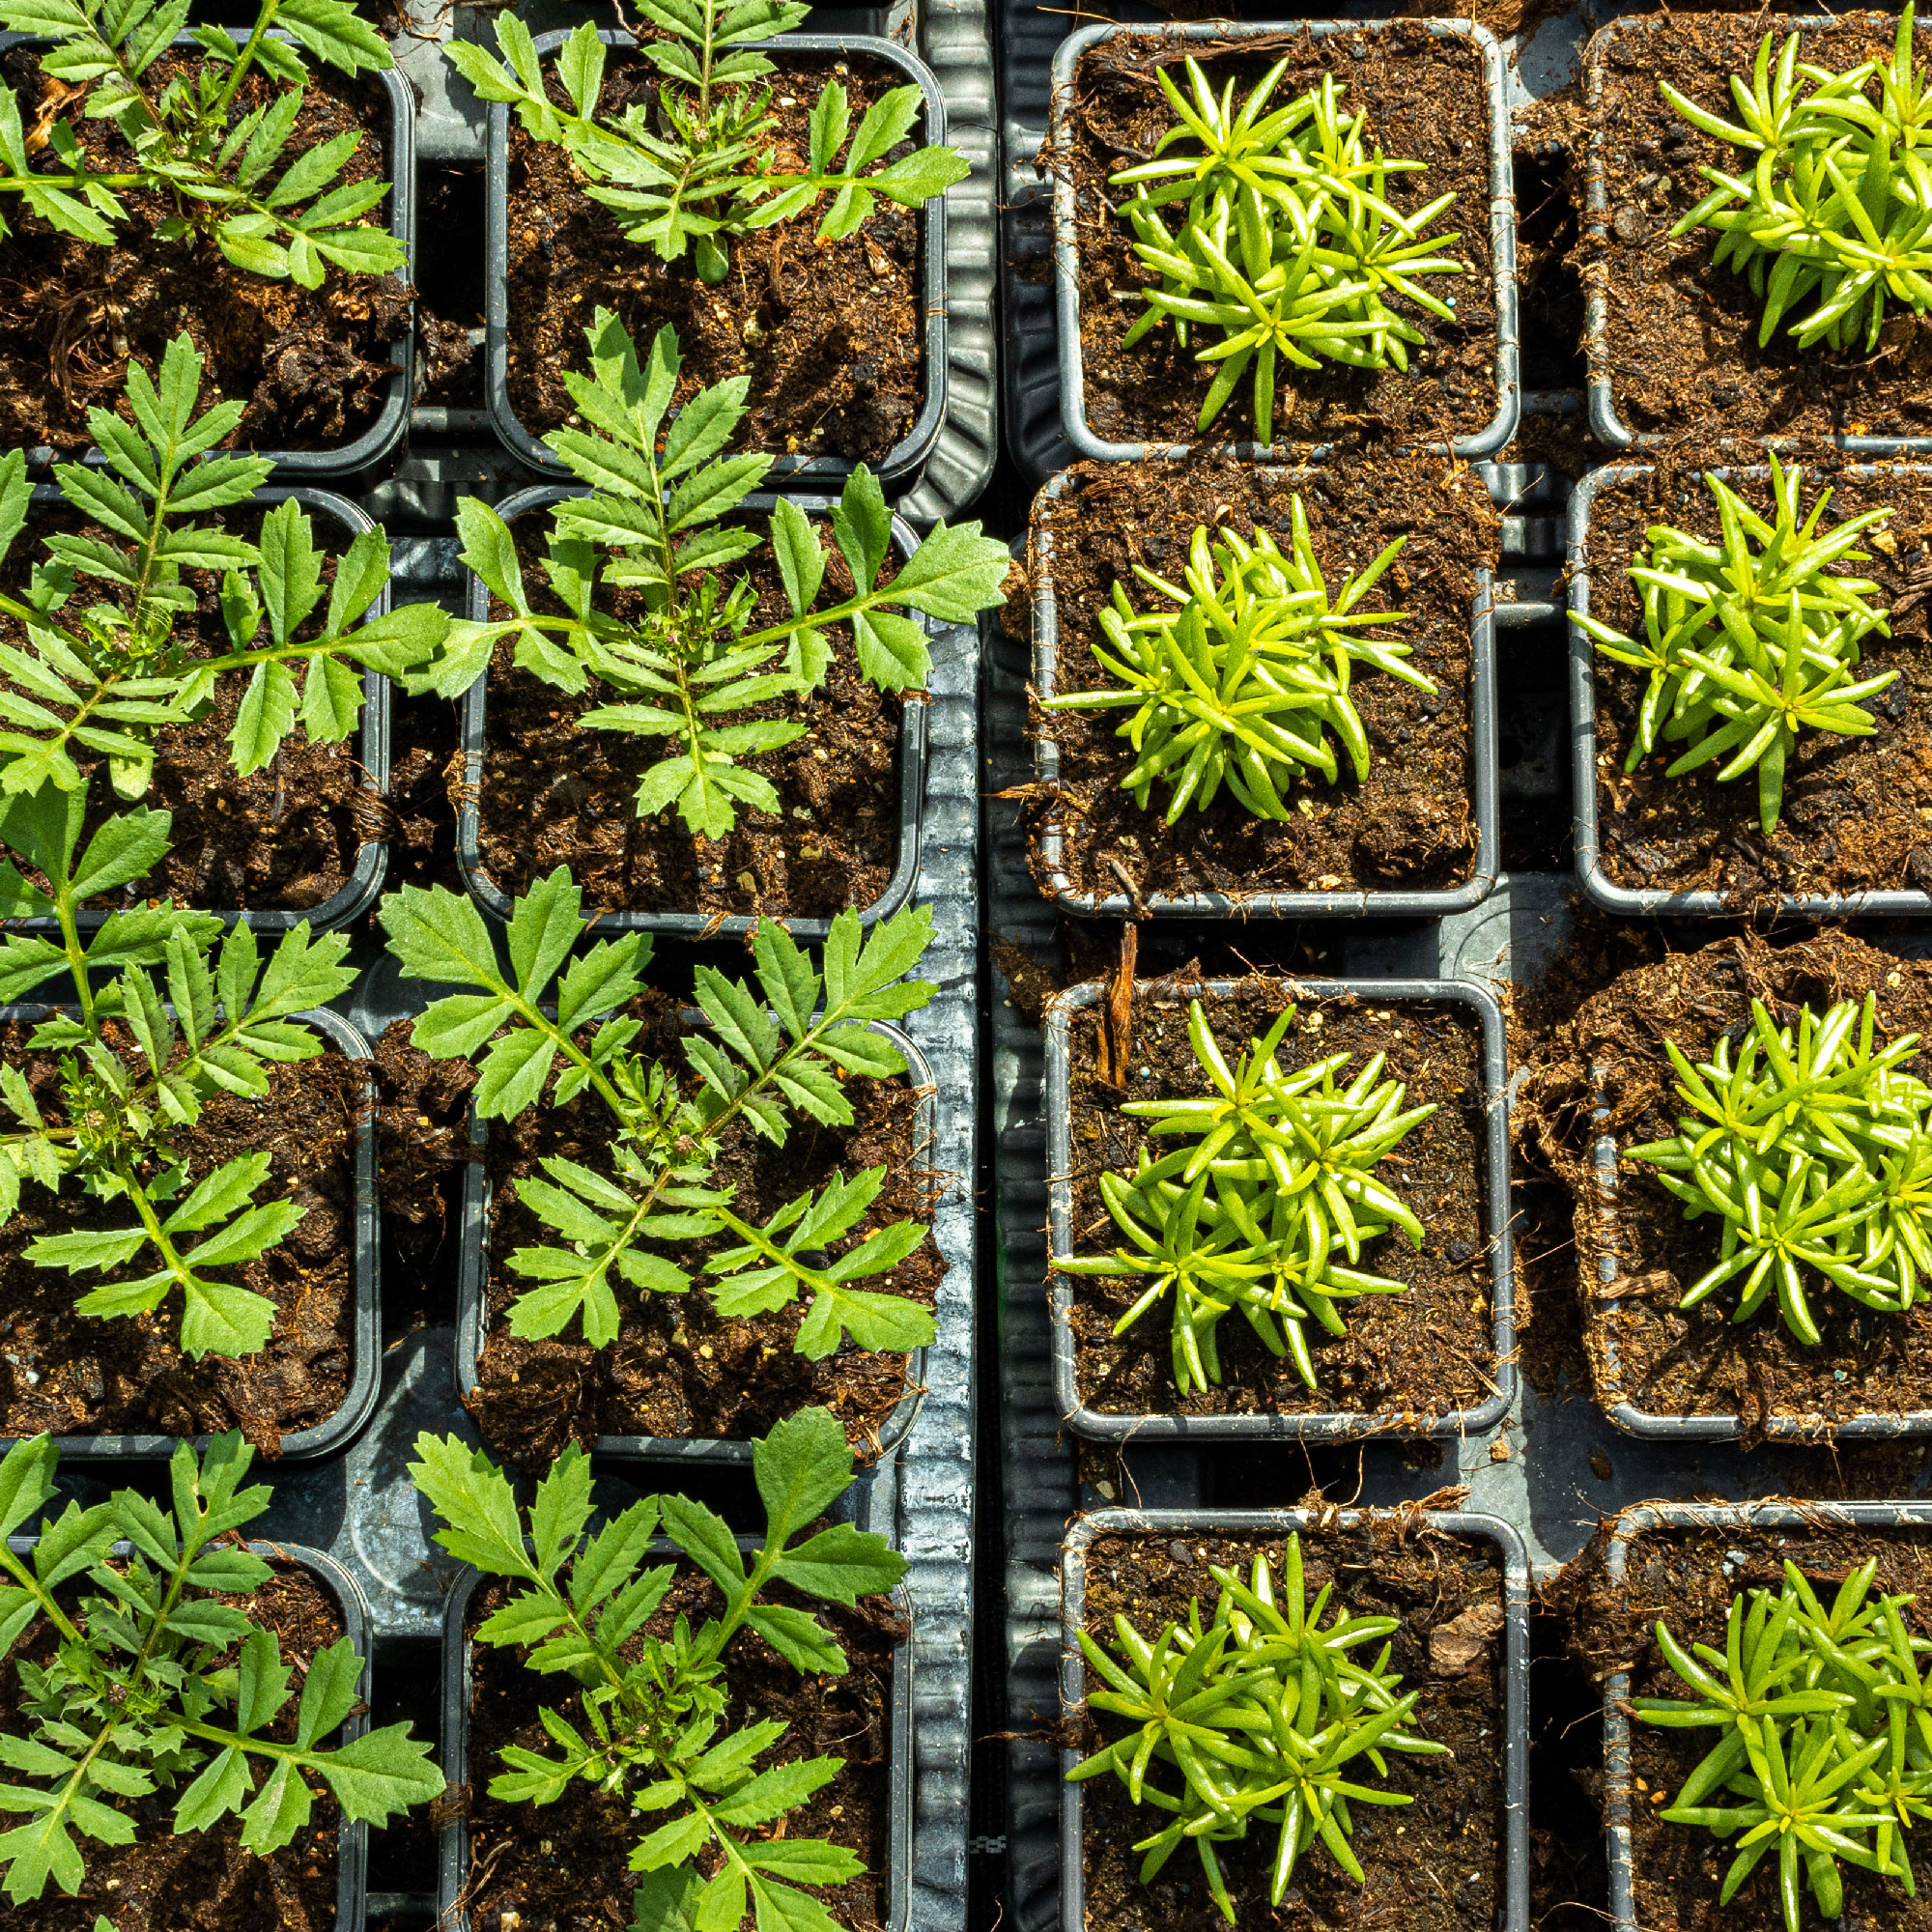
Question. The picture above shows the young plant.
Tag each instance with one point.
(156, 1685)
(1751, 640)
(1241, 683)
(187, 1022)
(649, 1717)
(107, 678)
(692, 661)
(1266, 1206)
(703, 168)
(766, 1055)
(1266, 1716)
(1836, 198)
(1824, 1734)
(1288, 243)
(224, 172)
(1813, 1147)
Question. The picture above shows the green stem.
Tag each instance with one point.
(17, 1568)
(264, 21)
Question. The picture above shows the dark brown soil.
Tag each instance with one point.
(677, 1369)
(1700, 1363)
(1680, 339)
(1858, 811)
(567, 1862)
(1426, 102)
(83, 1376)
(203, 1881)
(1411, 825)
(831, 336)
(1425, 1351)
(313, 365)
(284, 837)
(1435, 1865)
(1687, 1580)
(833, 842)
(422, 1144)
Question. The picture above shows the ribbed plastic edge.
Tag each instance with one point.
(472, 1281)
(322, 1438)
(1462, 1524)
(1367, 904)
(1583, 742)
(452, 1914)
(1484, 441)
(1313, 1427)
(492, 898)
(803, 471)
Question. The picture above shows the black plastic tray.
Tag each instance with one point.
(1314, 1426)
(1316, 904)
(492, 898)
(1515, 1567)
(322, 1438)
(906, 457)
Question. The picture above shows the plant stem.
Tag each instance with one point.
(264, 21)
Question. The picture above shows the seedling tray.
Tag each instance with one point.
(1312, 1427)
(492, 898)
(1652, 901)
(1086, 442)
(1511, 1559)
(452, 1911)
(372, 856)
(905, 458)
(322, 1438)
(1314, 904)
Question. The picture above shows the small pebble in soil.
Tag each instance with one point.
(1177, 1550)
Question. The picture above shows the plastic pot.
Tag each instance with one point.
(906, 456)
(1358, 903)
(492, 898)
(359, 890)
(452, 1907)
(322, 1438)
(1698, 904)
(380, 439)
(1086, 440)
(472, 1301)
(1313, 1426)
(1511, 1559)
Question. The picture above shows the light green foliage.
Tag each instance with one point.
(1266, 1206)
(107, 676)
(767, 1054)
(1835, 198)
(698, 166)
(157, 1686)
(1265, 1714)
(224, 171)
(1240, 684)
(646, 1719)
(692, 660)
(1750, 641)
(1825, 1744)
(122, 1102)
(1813, 1146)
(1287, 244)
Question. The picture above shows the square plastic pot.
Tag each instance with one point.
(497, 903)
(900, 463)
(380, 439)
(1878, 1517)
(473, 1281)
(358, 1399)
(372, 856)
(1600, 392)
(452, 1909)
(1652, 901)
(1313, 1426)
(1086, 440)
(1357, 905)
(1511, 1559)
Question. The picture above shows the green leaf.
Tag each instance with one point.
(382, 1772)
(474, 1499)
(706, 1538)
(843, 1564)
(954, 573)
